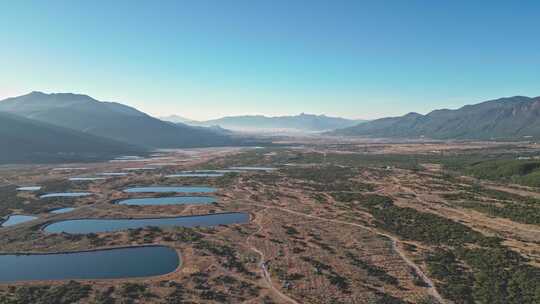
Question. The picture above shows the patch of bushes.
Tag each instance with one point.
(456, 282)
(342, 283)
(513, 211)
(525, 172)
(501, 276)
(347, 197)
(515, 207)
(290, 230)
(135, 291)
(383, 298)
(323, 174)
(404, 161)
(176, 296)
(225, 251)
(236, 286)
(187, 235)
(105, 297)
(372, 270)
(411, 224)
(72, 292)
(10, 200)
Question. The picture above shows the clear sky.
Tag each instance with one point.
(205, 59)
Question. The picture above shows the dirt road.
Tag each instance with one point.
(431, 286)
(263, 267)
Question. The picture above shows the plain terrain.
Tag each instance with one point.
(337, 222)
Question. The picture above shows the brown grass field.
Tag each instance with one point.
(312, 238)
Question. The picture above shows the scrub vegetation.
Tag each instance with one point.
(348, 223)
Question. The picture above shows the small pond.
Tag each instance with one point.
(166, 189)
(128, 157)
(254, 168)
(218, 171)
(139, 169)
(113, 174)
(29, 188)
(66, 194)
(84, 179)
(195, 174)
(160, 201)
(62, 210)
(17, 219)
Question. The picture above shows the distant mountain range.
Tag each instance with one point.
(260, 123)
(505, 118)
(26, 140)
(58, 127)
(180, 119)
(111, 120)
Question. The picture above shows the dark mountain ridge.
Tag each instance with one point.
(111, 120)
(26, 140)
(503, 118)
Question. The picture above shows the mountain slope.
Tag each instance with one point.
(25, 140)
(298, 123)
(109, 119)
(504, 118)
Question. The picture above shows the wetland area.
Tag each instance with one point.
(274, 225)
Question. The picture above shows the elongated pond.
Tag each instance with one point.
(17, 219)
(253, 168)
(160, 201)
(166, 189)
(66, 194)
(85, 179)
(29, 188)
(218, 171)
(139, 169)
(85, 226)
(68, 169)
(113, 174)
(103, 264)
(62, 210)
(195, 174)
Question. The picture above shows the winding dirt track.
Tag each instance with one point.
(431, 286)
(264, 270)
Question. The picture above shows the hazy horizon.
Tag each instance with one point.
(208, 59)
(265, 114)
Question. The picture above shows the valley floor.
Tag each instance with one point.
(336, 222)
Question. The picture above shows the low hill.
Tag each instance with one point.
(25, 140)
(505, 118)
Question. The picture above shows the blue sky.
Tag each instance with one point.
(205, 59)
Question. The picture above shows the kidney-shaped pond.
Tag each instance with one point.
(101, 264)
(85, 226)
(165, 189)
(175, 200)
